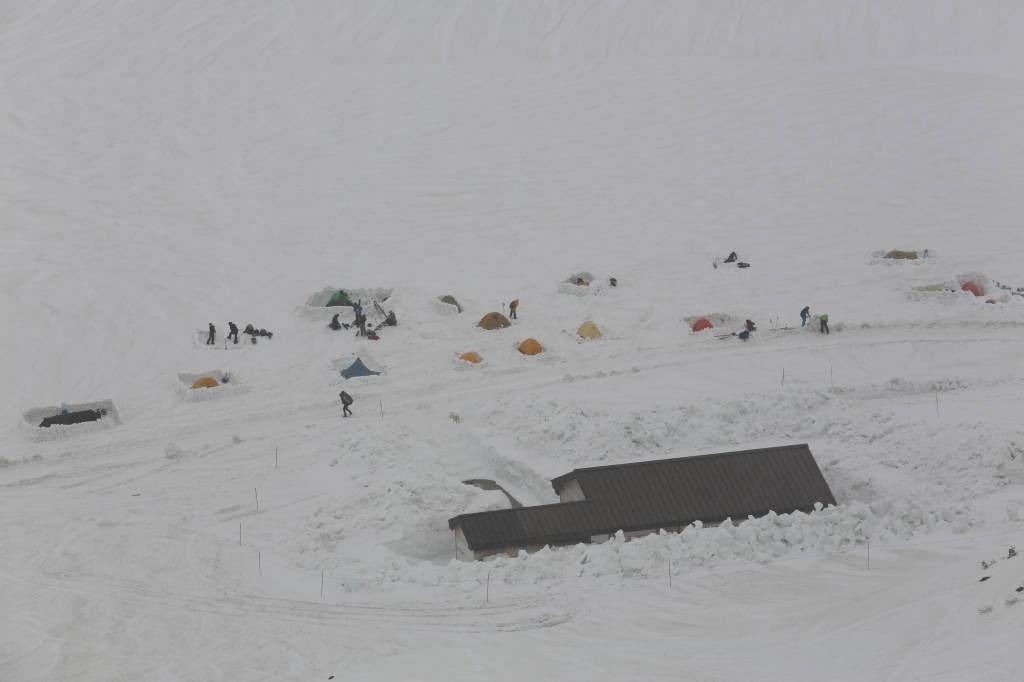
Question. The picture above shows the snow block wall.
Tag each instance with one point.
(232, 386)
(30, 420)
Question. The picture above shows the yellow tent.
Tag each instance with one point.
(494, 321)
(589, 330)
(206, 382)
(530, 347)
(471, 356)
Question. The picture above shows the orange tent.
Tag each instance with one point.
(494, 321)
(471, 356)
(702, 324)
(530, 347)
(206, 382)
(971, 287)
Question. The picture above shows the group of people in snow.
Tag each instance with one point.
(233, 333)
(390, 320)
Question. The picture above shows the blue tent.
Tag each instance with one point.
(358, 369)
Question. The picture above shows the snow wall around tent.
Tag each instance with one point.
(596, 284)
(722, 323)
(29, 422)
(345, 361)
(316, 305)
(183, 386)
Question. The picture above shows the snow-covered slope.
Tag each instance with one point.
(167, 166)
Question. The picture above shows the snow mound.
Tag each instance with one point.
(229, 384)
(30, 420)
(594, 285)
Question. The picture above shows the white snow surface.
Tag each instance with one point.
(167, 165)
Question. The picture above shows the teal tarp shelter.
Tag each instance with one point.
(339, 298)
(358, 369)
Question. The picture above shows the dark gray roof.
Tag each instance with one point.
(659, 494)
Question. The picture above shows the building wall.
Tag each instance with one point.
(571, 492)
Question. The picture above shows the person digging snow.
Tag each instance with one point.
(824, 324)
(233, 331)
(213, 333)
(512, 308)
(346, 400)
(750, 326)
(804, 314)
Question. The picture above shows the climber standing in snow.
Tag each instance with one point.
(233, 331)
(512, 308)
(360, 320)
(346, 400)
(824, 324)
(804, 314)
(213, 334)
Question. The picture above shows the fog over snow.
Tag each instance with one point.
(168, 165)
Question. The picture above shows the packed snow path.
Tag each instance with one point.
(166, 167)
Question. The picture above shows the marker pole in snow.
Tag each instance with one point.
(783, 377)
(257, 498)
(670, 573)
(381, 408)
(259, 562)
(488, 588)
(831, 379)
(321, 584)
(275, 455)
(937, 406)
(239, 535)
(869, 555)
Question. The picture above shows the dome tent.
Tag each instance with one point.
(901, 255)
(339, 298)
(530, 347)
(206, 382)
(450, 300)
(471, 356)
(702, 324)
(494, 321)
(358, 369)
(589, 330)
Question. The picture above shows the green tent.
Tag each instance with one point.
(450, 300)
(339, 298)
(358, 369)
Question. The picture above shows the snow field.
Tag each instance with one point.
(165, 167)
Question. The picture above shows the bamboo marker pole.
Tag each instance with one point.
(321, 584)
(937, 406)
(257, 498)
(488, 588)
(239, 535)
(670, 573)
(259, 562)
(381, 408)
(275, 455)
(783, 377)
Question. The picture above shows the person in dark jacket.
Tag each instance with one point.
(744, 335)
(232, 331)
(804, 314)
(824, 324)
(335, 325)
(346, 400)
(213, 333)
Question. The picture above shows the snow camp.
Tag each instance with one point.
(589, 340)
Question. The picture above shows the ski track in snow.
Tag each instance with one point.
(169, 166)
